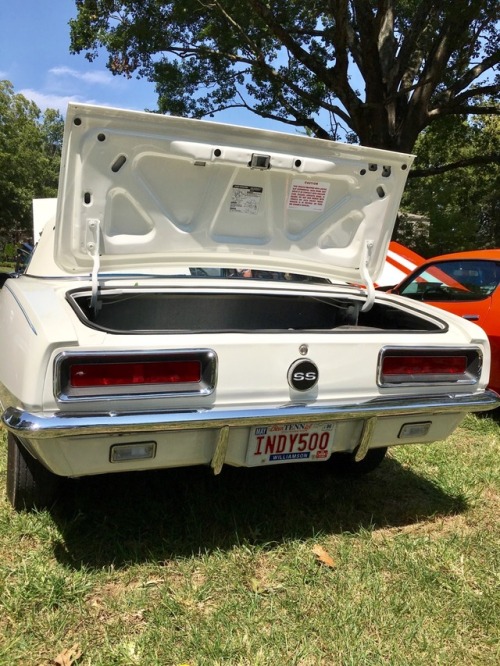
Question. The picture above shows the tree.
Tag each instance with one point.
(30, 149)
(300, 62)
(462, 205)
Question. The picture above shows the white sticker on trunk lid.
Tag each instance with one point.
(245, 199)
(308, 195)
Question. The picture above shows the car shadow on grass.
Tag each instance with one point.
(124, 519)
(493, 414)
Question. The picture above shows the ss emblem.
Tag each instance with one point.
(303, 375)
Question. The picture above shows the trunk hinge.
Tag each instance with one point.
(367, 281)
(93, 236)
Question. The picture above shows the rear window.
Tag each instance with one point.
(469, 280)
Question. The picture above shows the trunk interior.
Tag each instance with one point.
(139, 311)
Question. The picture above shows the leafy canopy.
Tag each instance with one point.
(462, 205)
(30, 148)
(374, 71)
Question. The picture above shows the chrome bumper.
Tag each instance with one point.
(37, 426)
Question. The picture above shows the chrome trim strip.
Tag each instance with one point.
(30, 323)
(39, 426)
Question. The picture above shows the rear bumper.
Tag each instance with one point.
(39, 426)
(80, 444)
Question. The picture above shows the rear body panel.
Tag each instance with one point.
(251, 389)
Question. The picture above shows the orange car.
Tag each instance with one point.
(467, 284)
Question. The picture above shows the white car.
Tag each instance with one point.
(273, 348)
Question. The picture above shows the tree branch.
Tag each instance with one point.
(299, 121)
(479, 91)
(308, 60)
(342, 34)
(466, 109)
(409, 58)
(243, 33)
(474, 72)
(370, 61)
(481, 160)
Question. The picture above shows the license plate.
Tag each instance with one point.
(291, 442)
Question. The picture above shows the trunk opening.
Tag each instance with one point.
(132, 311)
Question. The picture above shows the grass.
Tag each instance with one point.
(180, 567)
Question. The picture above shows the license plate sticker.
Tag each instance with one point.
(290, 442)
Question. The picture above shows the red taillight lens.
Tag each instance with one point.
(424, 365)
(86, 375)
(125, 376)
(399, 366)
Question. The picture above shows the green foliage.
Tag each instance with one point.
(302, 62)
(30, 148)
(462, 205)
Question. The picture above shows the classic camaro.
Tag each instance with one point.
(467, 284)
(205, 296)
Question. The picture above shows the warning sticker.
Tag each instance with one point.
(308, 195)
(245, 199)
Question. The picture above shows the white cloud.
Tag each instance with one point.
(65, 84)
(50, 101)
(91, 78)
(61, 85)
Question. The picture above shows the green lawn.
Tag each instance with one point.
(181, 567)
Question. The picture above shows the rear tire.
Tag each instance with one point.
(30, 485)
(344, 464)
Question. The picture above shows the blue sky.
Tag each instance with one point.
(35, 58)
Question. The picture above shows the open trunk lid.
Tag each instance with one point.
(146, 192)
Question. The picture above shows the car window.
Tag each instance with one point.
(256, 274)
(460, 280)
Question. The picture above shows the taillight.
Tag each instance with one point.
(118, 375)
(123, 374)
(424, 365)
(403, 366)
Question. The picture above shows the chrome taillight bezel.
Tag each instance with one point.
(474, 364)
(65, 392)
